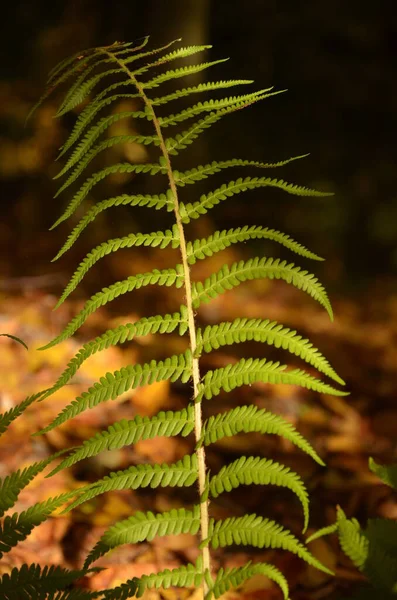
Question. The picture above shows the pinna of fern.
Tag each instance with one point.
(100, 78)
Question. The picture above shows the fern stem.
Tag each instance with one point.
(200, 452)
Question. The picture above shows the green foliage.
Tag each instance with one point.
(100, 78)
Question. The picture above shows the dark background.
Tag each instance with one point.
(338, 60)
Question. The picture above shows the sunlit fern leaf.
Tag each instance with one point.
(150, 201)
(218, 241)
(199, 89)
(165, 277)
(228, 278)
(208, 106)
(183, 473)
(259, 471)
(225, 191)
(125, 433)
(146, 526)
(121, 334)
(246, 419)
(249, 370)
(35, 582)
(112, 385)
(269, 332)
(156, 239)
(184, 139)
(328, 530)
(17, 527)
(227, 578)
(252, 530)
(13, 484)
(182, 72)
(10, 415)
(203, 171)
(99, 176)
(387, 473)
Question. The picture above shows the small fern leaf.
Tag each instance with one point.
(228, 578)
(146, 526)
(330, 529)
(15, 338)
(199, 89)
(121, 334)
(265, 331)
(184, 139)
(177, 73)
(125, 433)
(99, 176)
(185, 576)
(112, 385)
(166, 277)
(247, 419)
(156, 239)
(259, 471)
(388, 474)
(8, 417)
(183, 473)
(249, 371)
(203, 171)
(151, 201)
(227, 190)
(218, 241)
(228, 278)
(259, 532)
(34, 582)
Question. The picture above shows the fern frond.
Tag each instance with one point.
(247, 419)
(97, 178)
(228, 578)
(150, 201)
(208, 201)
(203, 171)
(249, 371)
(260, 471)
(200, 249)
(125, 433)
(156, 239)
(184, 139)
(199, 89)
(183, 473)
(34, 582)
(121, 334)
(112, 385)
(328, 530)
(259, 532)
(265, 331)
(166, 277)
(177, 73)
(388, 474)
(10, 415)
(228, 278)
(207, 106)
(146, 526)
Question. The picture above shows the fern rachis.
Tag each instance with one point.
(126, 64)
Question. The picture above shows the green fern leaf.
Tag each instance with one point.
(151, 201)
(265, 331)
(112, 385)
(203, 171)
(388, 474)
(259, 532)
(165, 277)
(125, 433)
(8, 417)
(120, 335)
(228, 578)
(199, 89)
(323, 532)
(200, 249)
(146, 526)
(246, 419)
(228, 278)
(260, 471)
(160, 239)
(249, 371)
(183, 473)
(208, 201)
(177, 73)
